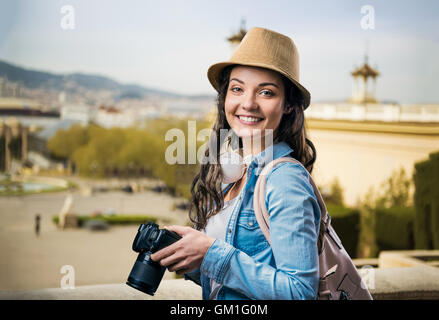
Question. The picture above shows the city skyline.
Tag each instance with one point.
(170, 45)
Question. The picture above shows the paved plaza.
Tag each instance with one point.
(29, 262)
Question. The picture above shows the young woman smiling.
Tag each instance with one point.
(226, 252)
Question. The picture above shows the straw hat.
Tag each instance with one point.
(268, 49)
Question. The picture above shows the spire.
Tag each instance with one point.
(366, 52)
(236, 38)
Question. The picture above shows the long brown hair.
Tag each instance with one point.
(207, 194)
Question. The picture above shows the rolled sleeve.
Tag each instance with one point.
(194, 276)
(217, 259)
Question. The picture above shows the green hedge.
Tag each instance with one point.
(346, 223)
(113, 219)
(394, 228)
(426, 199)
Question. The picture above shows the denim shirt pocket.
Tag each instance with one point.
(249, 237)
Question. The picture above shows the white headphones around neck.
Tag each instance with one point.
(233, 166)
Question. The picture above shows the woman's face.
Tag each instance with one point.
(254, 101)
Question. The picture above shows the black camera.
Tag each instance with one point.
(146, 274)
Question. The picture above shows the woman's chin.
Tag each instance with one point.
(247, 132)
(244, 132)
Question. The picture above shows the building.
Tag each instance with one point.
(364, 77)
(81, 113)
(13, 106)
(114, 117)
(235, 38)
(364, 106)
(9, 89)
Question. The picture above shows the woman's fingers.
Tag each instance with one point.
(187, 253)
(184, 266)
(165, 252)
(170, 260)
(180, 230)
(179, 266)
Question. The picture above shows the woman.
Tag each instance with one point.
(226, 253)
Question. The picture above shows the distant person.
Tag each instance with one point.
(37, 224)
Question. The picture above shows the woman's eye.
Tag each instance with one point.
(267, 93)
(235, 89)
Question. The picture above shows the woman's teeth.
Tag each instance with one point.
(249, 119)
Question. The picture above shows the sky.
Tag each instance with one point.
(169, 45)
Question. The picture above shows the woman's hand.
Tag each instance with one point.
(186, 254)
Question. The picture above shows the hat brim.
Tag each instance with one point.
(214, 71)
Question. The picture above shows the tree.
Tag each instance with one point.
(65, 142)
(101, 152)
(395, 191)
(335, 195)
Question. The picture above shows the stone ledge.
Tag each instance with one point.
(420, 282)
(178, 289)
(407, 258)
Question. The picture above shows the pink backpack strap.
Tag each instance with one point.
(261, 212)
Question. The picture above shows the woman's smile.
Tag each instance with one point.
(249, 120)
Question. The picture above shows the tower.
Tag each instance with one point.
(235, 39)
(361, 93)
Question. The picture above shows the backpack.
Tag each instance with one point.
(338, 276)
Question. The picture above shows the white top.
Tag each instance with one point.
(216, 228)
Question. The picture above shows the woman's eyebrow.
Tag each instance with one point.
(263, 84)
(260, 85)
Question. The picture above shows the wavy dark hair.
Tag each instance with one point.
(207, 194)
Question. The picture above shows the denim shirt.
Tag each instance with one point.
(245, 263)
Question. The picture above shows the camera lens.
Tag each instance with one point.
(146, 274)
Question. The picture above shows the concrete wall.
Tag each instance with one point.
(421, 282)
(361, 160)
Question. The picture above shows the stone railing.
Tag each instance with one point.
(401, 275)
(178, 289)
(374, 112)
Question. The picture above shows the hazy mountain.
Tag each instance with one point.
(78, 82)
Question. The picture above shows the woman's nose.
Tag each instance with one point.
(249, 101)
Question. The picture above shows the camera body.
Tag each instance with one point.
(146, 274)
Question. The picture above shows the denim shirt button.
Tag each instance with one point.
(230, 230)
(250, 223)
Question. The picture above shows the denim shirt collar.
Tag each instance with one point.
(271, 153)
